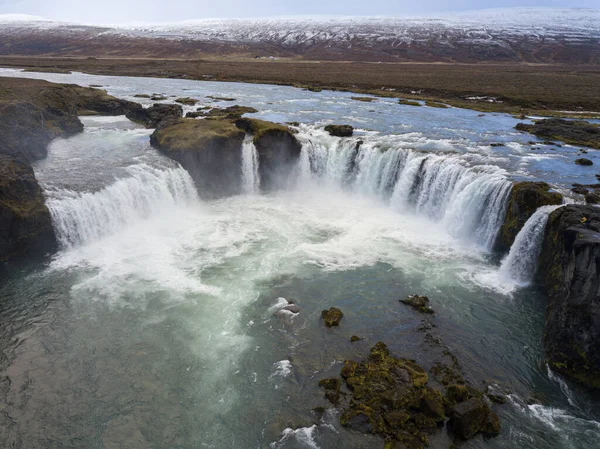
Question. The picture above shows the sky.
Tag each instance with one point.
(129, 11)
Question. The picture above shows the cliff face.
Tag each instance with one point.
(569, 270)
(210, 150)
(25, 223)
(525, 198)
(277, 148)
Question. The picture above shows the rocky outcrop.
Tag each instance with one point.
(332, 316)
(210, 150)
(153, 116)
(25, 223)
(525, 198)
(391, 397)
(229, 113)
(569, 271)
(340, 130)
(34, 112)
(278, 151)
(576, 132)
(419, 303)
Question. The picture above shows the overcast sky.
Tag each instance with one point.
(126, 11)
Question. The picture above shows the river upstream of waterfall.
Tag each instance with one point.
(158, 324)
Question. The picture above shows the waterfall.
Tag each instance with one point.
(521, 262)
(82, 217)
(250, 175)
(469, 201)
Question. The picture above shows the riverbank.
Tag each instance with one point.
(530, 89)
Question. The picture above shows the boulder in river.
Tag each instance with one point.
(525, 198)
(332, 316)
(473, 416)
(210, 150)
(419, 303)
(186, 101)
(278, 151)
(584, 161)
(576, 132)
(340, 130)
(25, 222)
(569, 271)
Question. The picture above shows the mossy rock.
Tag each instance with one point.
(435, 104)
(525, 198)
(584, 161)
(575, 132)
(195, 135)
(469, 418)
(364, 99)
(409, 103)
(340, 130)
(186, 101)
(419, 303)
(354, 339)
(332, 316)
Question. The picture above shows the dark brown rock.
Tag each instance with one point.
(569, 271)
(340, 130)
(525, 198)
(25, 222)
(332, 317)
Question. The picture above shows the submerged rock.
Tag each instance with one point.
(278, 151)
(340, 130)
(25, 222)
(569, 271)
(332, 317)
(210, 150)
(576, 132)
(525, 198)
(420, 303)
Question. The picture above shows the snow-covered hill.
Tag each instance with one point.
(530, 34)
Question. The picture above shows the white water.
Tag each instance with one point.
(86, 217)
(469, 201)
(521, 262)
(250, 175)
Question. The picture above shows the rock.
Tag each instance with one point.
(569, 272)
(292, 308)
(142, 96)
(576, 132)
(583, 161)
(455, 394)
(435, 104)
(340, 130)
(409, 102)
(314, 89)
(220, 98)
(363, 99)
(332, 387)
(332, 317)
(497, 145)
(496, 398)
(580, 190)
(210, 150)
(491, 427)
(186, 101)
(278, 151)
(525, 198)
(419, 303)
(34, 112)
(468, 418)
(25, 222)
(593, 198)
(354, 339)
(153, 116)
(157, 97)
(230, 113)
(349, 368)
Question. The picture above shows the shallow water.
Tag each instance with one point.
(158, 323)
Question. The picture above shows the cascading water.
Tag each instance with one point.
(469, 200)
(84, 217)
(521, 262)
(250, 175)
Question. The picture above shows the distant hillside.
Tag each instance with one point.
(543, 35)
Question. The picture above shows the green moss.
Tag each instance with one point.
(194, 135)
(260, 128)
(332, 317)
(364, 99)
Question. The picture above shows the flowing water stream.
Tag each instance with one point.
(159, 323)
